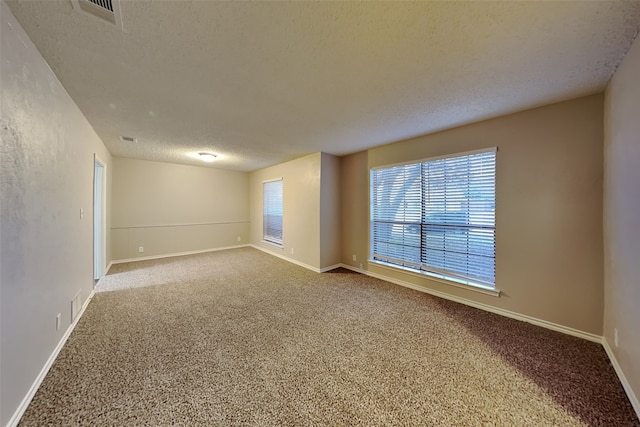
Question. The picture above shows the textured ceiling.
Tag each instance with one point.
(259, 83)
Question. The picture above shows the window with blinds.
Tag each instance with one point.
(272, 211)
(437, 216)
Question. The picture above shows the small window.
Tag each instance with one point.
(272, 212)
(437, 217)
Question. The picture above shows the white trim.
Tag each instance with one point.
(272, 243)
(623, 379)
(272, 180)
(506, 313)
(188, 224)
(15, 419)
(106, 271)
(500, 311)
(97, 160)
(441, 278)
(352, 268)
(291, 260)
(433, 159)
(331, 267)
(146, 258)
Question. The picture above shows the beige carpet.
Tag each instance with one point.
(239, 337)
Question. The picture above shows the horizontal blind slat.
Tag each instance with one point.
(444, 209)
(272, 211)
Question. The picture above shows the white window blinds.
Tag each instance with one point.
(272, 211)
(437, 216)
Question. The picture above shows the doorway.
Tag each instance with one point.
(99, 221)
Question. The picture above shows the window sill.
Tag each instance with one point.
(468, 285)
(277, 245)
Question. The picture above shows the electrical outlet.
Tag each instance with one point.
(291, 251)
(361, 266)
(616, 338)
(58, 321)
(238, 238)
(140, 249)
(353, 256)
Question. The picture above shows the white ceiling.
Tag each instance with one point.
(262, 82)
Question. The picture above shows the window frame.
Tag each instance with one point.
(419, 266)
(266, 237)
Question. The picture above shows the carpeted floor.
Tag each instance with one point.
(239, 337)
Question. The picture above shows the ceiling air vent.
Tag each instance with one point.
(108, 10)
(127, 139)
(105, 4)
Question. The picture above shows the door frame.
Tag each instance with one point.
(99, 217)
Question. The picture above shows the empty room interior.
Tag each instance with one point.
(320, 213)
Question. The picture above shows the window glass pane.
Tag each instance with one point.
(397, 205)
(272, 211)
(437, 216)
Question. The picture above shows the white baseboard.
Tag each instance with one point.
(507, 313)
(202, 251)
(511, 314)
(291, 260)
(331, 267)
(15, 419)
(502, 312)
(301, 264)
(623, 379)
(106, 270)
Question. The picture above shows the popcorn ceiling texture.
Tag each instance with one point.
(263, 82)
(240, 337)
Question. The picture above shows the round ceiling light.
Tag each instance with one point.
(207, 157)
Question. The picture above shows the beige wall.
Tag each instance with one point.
(168, 208)
(355, 209)
(548, 213)
(307, 239)
(330, 220)
(622, 217)
(301, 209)
(46, 176)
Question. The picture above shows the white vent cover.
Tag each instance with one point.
(105, 4)
(108, 10)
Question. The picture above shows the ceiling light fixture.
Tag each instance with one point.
(207, 157)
